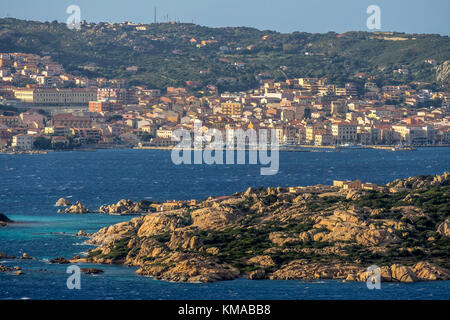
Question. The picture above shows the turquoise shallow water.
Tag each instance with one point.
(30, 185)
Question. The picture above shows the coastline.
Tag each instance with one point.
(299, 148)
(295, 148)
(276, 234)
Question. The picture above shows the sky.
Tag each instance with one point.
(410, 16)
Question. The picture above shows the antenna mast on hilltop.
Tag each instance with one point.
(155, 16)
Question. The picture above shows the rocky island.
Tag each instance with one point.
(316, 232)
(122, 207)
(4, 220)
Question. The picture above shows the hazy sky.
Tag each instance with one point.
(411, 16)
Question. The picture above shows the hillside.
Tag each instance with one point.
(319, 232)
(166, 56)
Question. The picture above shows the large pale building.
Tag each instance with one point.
(70, 121)
(412, 134)
(42, 96)
(309, 131)
(344, 132)
(23, 142)
(164, 133)
(104, 106)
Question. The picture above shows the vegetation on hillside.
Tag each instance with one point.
(165, 55)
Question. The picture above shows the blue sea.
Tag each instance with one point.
(31, 184)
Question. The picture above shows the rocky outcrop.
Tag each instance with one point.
(444, 228)
(4, 220)
(62, 202)
(160, 223)
(443, 72)
(349, 225)
(215, 217)
(123, 207)
(115, 232)
(303, 269)
(353, 195)
(441, 180)
(248, 192)
(5, 256)
(15, 270)
(5, 269)
(376, 237)
(25, 256)
(402, 273)
(296, 233)
(422, 271)
(91, 270)
(59, 260)
(77, 208)
(421, 182)
(262, 261)
(214, 251)
(257, 275)
(410, 212)
(184, 240)
(282, 238)
(181, 267)
(426, 271)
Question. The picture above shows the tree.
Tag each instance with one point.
(146, 136)
(42, 143)
(114, 118)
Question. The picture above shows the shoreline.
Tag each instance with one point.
(241, 237)
(299, 148)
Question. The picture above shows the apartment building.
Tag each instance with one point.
(322, 138)
(41, 96)
(344, 132)
(164, 133)
(339, 108)
(70, 121)
(92, 135)
(57, 131)
(411, 134)
(23, 142)
(104, 106)
(310, 132)
(231, 108)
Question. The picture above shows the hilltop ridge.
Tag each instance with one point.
(234, 58)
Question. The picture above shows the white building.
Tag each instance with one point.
(164, 133)
(23, 142)
(344, 132)
(414, 135)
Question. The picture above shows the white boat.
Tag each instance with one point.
(403, 148)
(351, 146)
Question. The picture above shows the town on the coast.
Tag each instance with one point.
(46, 108)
